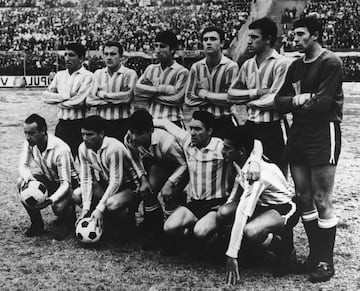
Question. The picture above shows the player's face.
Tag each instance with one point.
(229, 151)
(112, 57)
(211, 42)
(92, 139)
(256, 43)
(200, 136)
(162, 51)
(72, 60)
(32, 134)
(303, 40)
(141, 138)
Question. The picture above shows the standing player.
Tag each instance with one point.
(68, 90)
(163, 164)
(107, 181)
(260, 78)
(263, 208)
(210, 79)
(163, 84)
(313, 93)
(55, 169)
(114, 91)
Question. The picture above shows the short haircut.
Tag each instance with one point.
(40, 121)
(312, 24)
(141, 120)
(167, 37)
(78, 48)
(267, 27)
(217, 29)
(93, 122)
(114, 43)
(241, 137)
(205, 117)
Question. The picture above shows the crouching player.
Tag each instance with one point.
(265, 209)
(162, 163)
(55, 169)
(108, 183)
(208, 177)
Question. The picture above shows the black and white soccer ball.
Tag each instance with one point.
(33, 193)
(87, 231)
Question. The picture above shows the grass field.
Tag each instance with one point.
(45, 264)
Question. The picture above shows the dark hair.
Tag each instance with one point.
(114, 43)
(241, 137)
(205, 117)
(312, 24)
(93, 122)
(78, 48)
(267, 27)
(219, 30)
(141, 120)
(40, 121)
(167, 37)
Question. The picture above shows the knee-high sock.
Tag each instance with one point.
(327, 233)
(310, 222)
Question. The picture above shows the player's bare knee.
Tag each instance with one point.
(171, 226)
(201, 232)
(59, 208)
(323, 202)
(253, 233)
(76, 196)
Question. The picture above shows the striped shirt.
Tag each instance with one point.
(163, 149)
(215, 83)
(69, 92)
(113, 94)
(271, 189)
(164, 105)
(55, 162)
(110, 163)
(270, 75)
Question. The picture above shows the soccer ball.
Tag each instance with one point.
(33, 193)
(87, 231)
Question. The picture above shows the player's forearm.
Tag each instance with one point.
(284, 103)
(54, 98)
(122, 97)
(241, 96)
(264, 102)
(110, 191)
(192, 100)
(146, 91)
(61, 191)
(86, 193)
(180, 175)
(237, 232)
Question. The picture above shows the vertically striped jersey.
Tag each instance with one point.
(269, 75)
(113, 94)
(216, 83)
(70, 93)
(110, 163)
(55, 162)
(163, 149)
(207, 170)
(164, 103)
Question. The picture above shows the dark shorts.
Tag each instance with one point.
(314, 144)
(222, 123)
(117, 128)
(52, 186)
(202, 207)
(287, 210)
(273, 136)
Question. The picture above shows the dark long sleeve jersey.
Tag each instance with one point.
(323, 79)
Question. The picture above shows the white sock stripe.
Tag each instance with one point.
(332, 143)
(151, 208)
(327, 223)
(291, 212)
(283, 129)
(310, 215)
(268, 240)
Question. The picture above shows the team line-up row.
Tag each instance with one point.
(219, 179)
